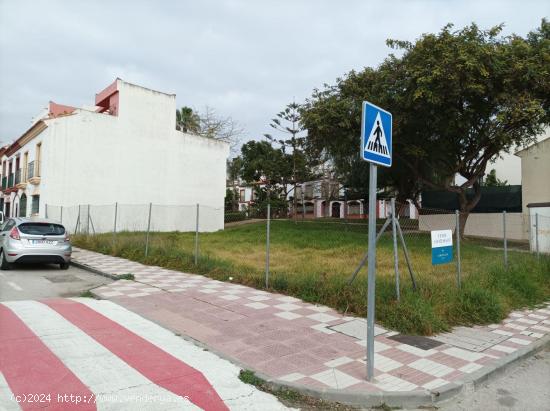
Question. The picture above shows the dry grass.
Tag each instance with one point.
(313, 261)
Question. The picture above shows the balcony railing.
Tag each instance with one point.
(10, 180)
(17, 176)
(4, 183)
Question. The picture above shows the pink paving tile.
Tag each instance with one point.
(251, 357)
(494, 353)
(485, 360)
(310, 382)
(278, 350)
(267, 342)
(448, 360)
(303, 360)
(411, 375)
(401, 356)
(277, 367)
(232, 347)
(305, 343)
(357, 370)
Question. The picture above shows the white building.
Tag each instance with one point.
(126, 150)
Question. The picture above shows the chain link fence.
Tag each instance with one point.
(274, 249)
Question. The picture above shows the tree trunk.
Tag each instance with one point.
(466, 206)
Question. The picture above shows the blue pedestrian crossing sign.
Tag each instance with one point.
(376, 138)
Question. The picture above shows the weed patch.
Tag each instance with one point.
(86, 294)
(313, 261)
(291, 397)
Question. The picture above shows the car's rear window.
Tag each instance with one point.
(41, 229)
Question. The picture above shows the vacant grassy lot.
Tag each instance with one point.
(313, 261)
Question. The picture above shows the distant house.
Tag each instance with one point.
(535, 173)
(535, 179)
(124, 149)
(327, 198)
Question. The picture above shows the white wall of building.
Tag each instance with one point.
(137, 157)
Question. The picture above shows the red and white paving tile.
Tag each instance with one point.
(85, 354)
(293, 341)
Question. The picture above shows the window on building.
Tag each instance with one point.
(23, 206)
(242, 196)
(35, 204)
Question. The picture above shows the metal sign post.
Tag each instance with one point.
(371, 271)
(376, 148)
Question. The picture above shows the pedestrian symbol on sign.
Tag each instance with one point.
(377, 145)
(376, 135)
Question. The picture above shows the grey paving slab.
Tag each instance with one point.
(356, 328)
(471, 339)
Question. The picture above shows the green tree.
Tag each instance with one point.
(187, 120)
(288, 122)
(268, 168)
(458, 99)
(229, 201)
(491, 180)
(261, 162)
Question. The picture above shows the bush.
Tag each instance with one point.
(235, 216)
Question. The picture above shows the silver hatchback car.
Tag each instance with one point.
(32, 240)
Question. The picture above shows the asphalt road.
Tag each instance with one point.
(522, 387)
(33, 282)
(87, 354)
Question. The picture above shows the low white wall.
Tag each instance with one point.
(135, 217)
(488, 225)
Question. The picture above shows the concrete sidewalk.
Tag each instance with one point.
(314, 348)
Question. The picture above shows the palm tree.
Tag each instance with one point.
(187, 121)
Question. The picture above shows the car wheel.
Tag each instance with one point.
(4, 264)
(64, 266)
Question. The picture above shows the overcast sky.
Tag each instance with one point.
(246, 59)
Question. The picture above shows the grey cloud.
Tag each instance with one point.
(247, 59)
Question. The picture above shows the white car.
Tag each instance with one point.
(32, 240)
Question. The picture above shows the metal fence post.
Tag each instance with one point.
(61, 217)
(148, 229)
(114, 224)
(197, 236)
(395, 255)
(45, 211)
(537, 234)
(457, 231)
(267, 246)
(77, 226)
(505, 239)
(88, 222)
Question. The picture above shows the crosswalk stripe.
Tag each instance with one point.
(223, 375)
(151, 361)
(114, 383)
(32, 369)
